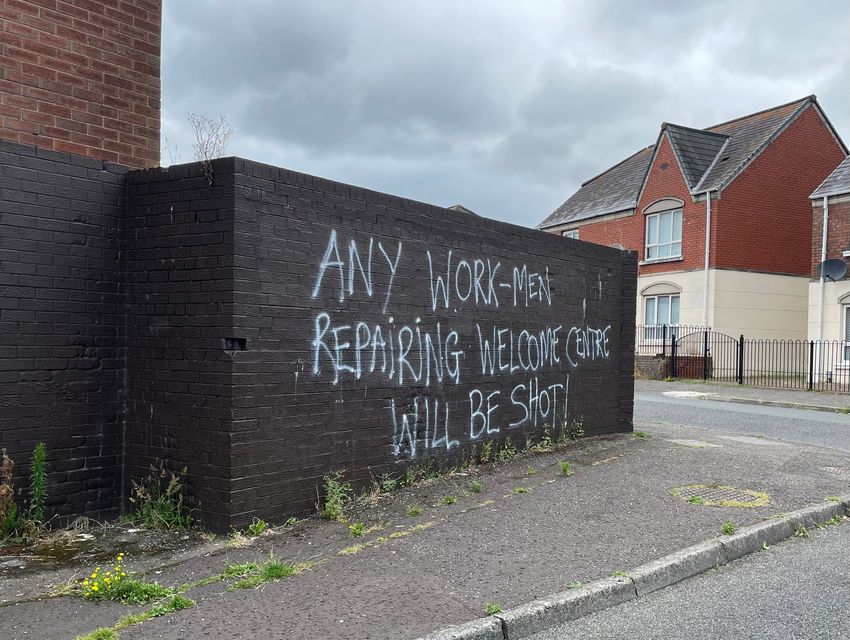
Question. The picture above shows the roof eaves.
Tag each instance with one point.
(764, 145)
(588, 215)
(829, 126)
(830, 194)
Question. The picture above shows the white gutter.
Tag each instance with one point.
(707, 249)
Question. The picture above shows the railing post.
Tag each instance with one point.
(741, 359)
(663, 340)
(705, 355)
(672, 354)
(811, 364)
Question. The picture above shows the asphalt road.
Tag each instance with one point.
(792, 425)
(797, 589)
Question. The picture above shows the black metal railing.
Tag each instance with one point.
(700, 353)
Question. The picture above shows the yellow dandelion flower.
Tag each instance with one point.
(94, 575)
(95, 587)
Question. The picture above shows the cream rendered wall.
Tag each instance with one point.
(833, 293)
(760, 305)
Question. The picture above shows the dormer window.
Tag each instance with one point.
(664, 235)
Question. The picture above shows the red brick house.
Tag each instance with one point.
(739, 261)
(829, 301)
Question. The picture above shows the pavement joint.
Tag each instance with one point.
(557, 609)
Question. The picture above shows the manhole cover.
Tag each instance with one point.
(715, 495)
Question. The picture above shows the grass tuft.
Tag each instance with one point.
(566, 468)
(728, 528)
(492, 608)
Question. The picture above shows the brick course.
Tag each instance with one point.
(82, 77)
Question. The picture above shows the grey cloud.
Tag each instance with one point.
(505, 107)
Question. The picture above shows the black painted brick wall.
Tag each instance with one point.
(178, 280)
(61, 323)
(291, 427)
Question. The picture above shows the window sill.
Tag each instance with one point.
(660, 260)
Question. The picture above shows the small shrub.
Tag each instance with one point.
(257, 527)
(159, 499)
(475, 486)
(414, 511)
(728, 528)
(447, 500)
(337, 495)
(492, 608)
(566, 468)
(357, 530)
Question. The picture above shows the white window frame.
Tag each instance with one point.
(656, 244)
(572, 233)
(653, 331)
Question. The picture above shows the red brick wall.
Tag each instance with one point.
(764, 222)
(82, 76)
(838, 231)
(665, 180)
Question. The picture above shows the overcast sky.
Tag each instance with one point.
(502, 106)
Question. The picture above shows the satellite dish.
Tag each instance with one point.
(834, 269)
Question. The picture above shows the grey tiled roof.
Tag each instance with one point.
(696, 150)
(836, 182)
(614, 190)
(710, 159)
(748, 136)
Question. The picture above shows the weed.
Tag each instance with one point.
(728, 528)
(357, 530)
(99, 634)
(257, 527)
(492, 608)
(801, 531)
(566, 468)
(833, 498)
(640, 434)
(8, 509)
(529, 444)
(530, 471)
(239, 570)
(697, 500)
(38, 484)
(475, 486)
(388, 484)
(414, 511)
(291, 521)
(576, 428)
(765, 546)
(833, 520)
(269, 571)
(447, 500)
(575, 584)
(844, 410)
(545, 437)
(620, 574)
(351, 550)
(487, 451)
(159, 499)
(174, 603)
(522, 490)
(507, 451)
(337, 495)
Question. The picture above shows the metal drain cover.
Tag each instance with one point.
(715, 495)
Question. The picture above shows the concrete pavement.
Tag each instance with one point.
(528, 534)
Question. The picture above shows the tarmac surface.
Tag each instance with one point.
(504, 545)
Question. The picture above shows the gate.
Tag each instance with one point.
(706, 355)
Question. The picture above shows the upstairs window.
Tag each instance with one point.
(572, 233)
(664, 235)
